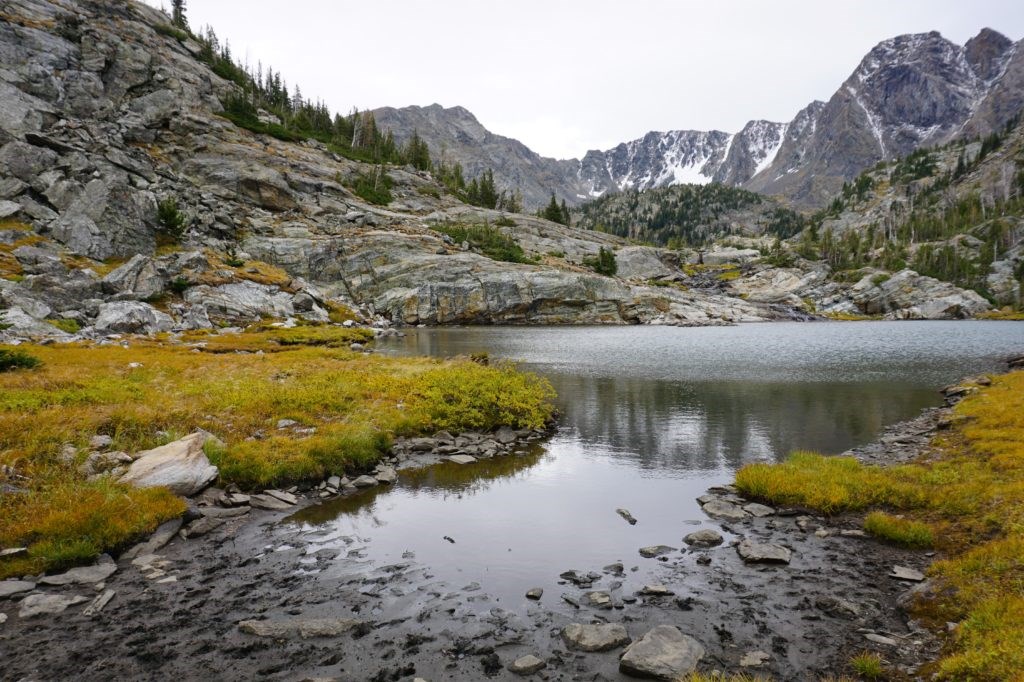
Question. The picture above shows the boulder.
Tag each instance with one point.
(664, 653)
(181, 466)
(641, 263)
(603, 637)
(704, 538)
(140, 277)
(269, 503)
(131, 317)
(241, 301)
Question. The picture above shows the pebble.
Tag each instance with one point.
(535, 593)
(526, 665)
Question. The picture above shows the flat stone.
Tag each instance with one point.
(602, 637)
(723, 509)
(282, 495)
(269, 503)
(664, 653)
(599, 599)
(764, 553)
(534, 593)
(99, 603)
(906, 573)
(164, 534)
(758, 510)
(365, 482)
(655, 550)
(752, 659)
(202, 526)
(656, 591)
(13, 551)
(462, 459)
(12, 587)
(526, 665)
(81, 575)
(47, 604)
(704, 538)
(303, 628)
(223, 512)
(881, 639)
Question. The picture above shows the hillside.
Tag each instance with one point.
(688, 215)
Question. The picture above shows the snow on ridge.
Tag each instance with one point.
(769, 152)
(875, 128)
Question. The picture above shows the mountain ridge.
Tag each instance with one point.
(909, 91)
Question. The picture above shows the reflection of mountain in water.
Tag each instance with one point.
(708, 425)
(445, 479)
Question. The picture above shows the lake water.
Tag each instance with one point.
(651, 417)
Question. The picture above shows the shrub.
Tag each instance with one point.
(172, 221)
(603, 263)
(179, 284)
(490, 241)
(66, 325)
(868, 666)
(12, 359)
(374, 188)
(880, 279)
(505, 221)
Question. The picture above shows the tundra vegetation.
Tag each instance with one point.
(54, 399)
(967, 501)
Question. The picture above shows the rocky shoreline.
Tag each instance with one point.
(769, 591)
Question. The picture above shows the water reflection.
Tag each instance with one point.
(445, 480)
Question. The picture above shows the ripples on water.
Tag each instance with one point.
(650, 418)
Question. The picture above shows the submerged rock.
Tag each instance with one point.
(664, 653)
(303, 628)
(655, 551)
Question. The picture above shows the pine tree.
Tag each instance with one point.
(488, 197)
(566, 217)
(553, 211)
(178, 14)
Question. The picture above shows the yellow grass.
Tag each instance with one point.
(356, 404)
(973, 491)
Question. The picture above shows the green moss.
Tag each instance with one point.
(66, 325)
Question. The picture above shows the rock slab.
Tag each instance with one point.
(664, 653)
(763, 553)
(305, 629)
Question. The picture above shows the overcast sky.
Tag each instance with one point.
(564, 77)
